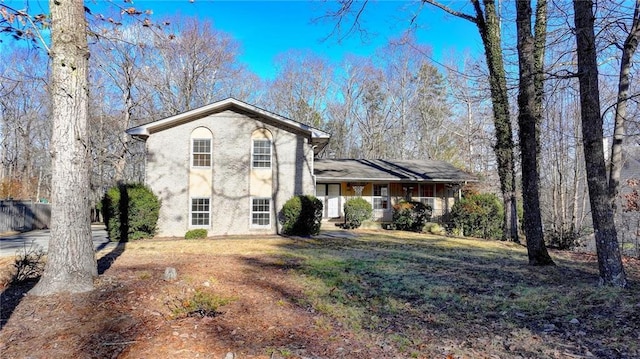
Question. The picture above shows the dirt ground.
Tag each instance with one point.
(129, 315)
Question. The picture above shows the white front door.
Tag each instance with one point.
(333, 200)
(329, 195)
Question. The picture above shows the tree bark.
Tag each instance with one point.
(488, 24)
(609, 259)
(529, 118)
(624, 81)
(71, 263)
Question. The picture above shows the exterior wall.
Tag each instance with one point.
(232, 181)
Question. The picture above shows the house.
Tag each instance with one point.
(229, 167)
(384, 183)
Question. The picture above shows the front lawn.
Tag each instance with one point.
(379, 294)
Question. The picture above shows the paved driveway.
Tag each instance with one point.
(10, 245)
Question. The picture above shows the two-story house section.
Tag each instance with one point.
(227, 167)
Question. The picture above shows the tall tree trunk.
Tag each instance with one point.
(529, 118)
(71, 263)
(488, 24)
(609, 259)
(629, 48)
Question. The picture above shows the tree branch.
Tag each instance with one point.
(452, 11)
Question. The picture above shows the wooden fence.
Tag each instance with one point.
(24, 216)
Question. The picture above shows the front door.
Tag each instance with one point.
(333, 200)
(329, 195)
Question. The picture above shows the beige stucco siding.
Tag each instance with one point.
(232, 181)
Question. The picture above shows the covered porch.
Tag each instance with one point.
(385, 183)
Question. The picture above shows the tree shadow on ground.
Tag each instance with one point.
(11, 297)
(410, 291)
(13, 294)
(107, 260)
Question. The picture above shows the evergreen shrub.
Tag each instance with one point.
(356, 211)
(301, 216)
(199, 233)
(478, 215)
(410, 216)
(130, 212)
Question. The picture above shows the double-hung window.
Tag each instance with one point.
(201, 152)
(260, 212)
(261, 153)
(380, 196)
(200, 211)
(427, 194)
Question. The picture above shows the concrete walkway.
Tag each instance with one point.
(13, 244)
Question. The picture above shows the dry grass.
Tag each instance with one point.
(380, 294)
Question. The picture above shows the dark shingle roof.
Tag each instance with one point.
(388, 170)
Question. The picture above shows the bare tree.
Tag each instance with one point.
(624, 79)
(531, 59)
(23, 122)
(487, 21)
(301, 88)
(609, 258)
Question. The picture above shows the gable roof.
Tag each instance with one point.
(318, 138)
(391, 171)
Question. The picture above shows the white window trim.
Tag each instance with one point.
(191, 153)
(260, 226)
(191, 225)
(373, 197)
(253, 141)
(431, 199)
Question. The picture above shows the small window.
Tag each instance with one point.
(261, 212)
(201, 152)
(200, 211)
(426, 190)
(380, 197)
(261, 153)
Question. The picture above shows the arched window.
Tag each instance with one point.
(201, 147)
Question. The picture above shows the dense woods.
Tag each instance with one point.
(396, 104)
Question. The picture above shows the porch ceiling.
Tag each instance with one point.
(339, 170)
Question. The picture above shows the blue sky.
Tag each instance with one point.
(268, 28)
(265, 29)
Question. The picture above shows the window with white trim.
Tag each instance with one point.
(261, 153)
(201, 152)
(200, 211)
(427, 194)
(380, 196)
(260, 212)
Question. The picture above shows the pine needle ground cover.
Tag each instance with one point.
(376, 294)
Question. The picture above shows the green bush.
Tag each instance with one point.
(130, 212)
(301, 216)
(199, 233)
(356, 211)
(434, 228)
(410, 215)
(478, 215)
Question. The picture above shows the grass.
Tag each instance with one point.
(200, 303)
(409, 287)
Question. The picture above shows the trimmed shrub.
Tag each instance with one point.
(478, 215)
(435, 228)
(356, 211)
(130, 212)
(410, 216)
(199, 233)
(301, 216)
